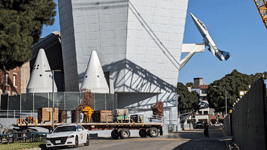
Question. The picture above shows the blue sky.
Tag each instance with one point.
(235, 26)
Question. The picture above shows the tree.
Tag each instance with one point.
(188, 101)
(233, 83)
(189, 84)
(21, 25)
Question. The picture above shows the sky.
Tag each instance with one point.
(235, 26)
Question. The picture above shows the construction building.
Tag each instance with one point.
(139, 44)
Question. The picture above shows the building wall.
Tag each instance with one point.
(138, 43)
(68, 45)
(155, 36)
(14, 82)
(118, 34)
(11, 81)
(25, 76)
(197, 82)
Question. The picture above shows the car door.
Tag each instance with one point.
(84, 133)
(81, 134)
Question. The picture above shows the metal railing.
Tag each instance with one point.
(16, 113)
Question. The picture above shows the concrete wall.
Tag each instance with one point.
(147, 33)
(68, 45)
(138, 42)
(249, 118)
(227, 124)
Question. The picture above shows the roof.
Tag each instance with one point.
(203, 86)
(46, 42)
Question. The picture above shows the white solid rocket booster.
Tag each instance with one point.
(94, 78)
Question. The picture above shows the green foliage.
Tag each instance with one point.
(21, 23)
(187, 100)
(233, 83)
(189, 84)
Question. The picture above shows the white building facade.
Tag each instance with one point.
(138, 42)
(204, 113)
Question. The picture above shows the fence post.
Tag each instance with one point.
(33, 102)
(7, 105)
(48, 99)
(20, 105)
(64, 101)
(94, 101)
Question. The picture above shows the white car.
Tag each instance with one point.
(68, 135)
(218, 124)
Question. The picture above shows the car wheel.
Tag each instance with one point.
(76, 142)
(87, 141)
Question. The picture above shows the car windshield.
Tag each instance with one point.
(65, 129)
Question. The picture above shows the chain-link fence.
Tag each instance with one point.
(62, 100)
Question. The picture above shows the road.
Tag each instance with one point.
(185, 140)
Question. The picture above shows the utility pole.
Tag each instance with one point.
(224, 96)
(53, 108)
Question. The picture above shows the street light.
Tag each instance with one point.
(53, 71)
(225, 98)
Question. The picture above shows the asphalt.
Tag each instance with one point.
(184, 140)
(196, 139)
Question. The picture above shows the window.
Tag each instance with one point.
(206, 113)
(65, 129)
(14, 93)
(14, 80)
(80, 127)
(200, 112)
(204, 91)
(6, 79)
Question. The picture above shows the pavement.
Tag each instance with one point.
(196, 140)
(183, 140)
(192, 139)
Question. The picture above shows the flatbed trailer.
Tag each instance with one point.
(119, 129)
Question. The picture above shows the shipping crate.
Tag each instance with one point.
(120, 112)
(102, 116)
(45, 115)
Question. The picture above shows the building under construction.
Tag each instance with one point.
(139, 44)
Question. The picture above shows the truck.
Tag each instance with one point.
(119, 130)
(103, 120)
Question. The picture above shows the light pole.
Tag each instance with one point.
(225, 98)
(53, 71)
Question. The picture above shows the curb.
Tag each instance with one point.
(32, 149)
(230, 144)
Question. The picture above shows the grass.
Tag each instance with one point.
(22, 145)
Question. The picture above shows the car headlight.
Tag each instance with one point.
(71, 136)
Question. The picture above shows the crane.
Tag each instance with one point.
(262, 8)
